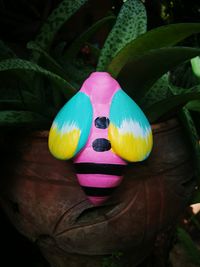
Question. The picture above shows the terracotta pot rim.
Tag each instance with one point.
(157, 128)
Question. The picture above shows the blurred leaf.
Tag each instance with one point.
(58, 50)
(143, 71)
(78, 71)
(75, 47)
(180, 90)
(95, 51)
(157, 38)
(18, 97)
(55, 21)
(19, 64)
(190, 127)
(196, 197)
(194, 105)
(183, 76)
(168, 105)
(195, 221)
(7, 104)
(16, 88)
(5, 51)
(159, 91)
(190, 247)
(195, 62)
(50, 63)
(130, 23)
(32, 102)
(22, 118)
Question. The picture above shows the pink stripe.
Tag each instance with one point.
(89, 155)
(99, 180)
(97, 200)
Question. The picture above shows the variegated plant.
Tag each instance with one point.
(33, 90)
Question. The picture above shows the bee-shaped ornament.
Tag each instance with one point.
(102, 129)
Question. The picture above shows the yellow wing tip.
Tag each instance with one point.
(63, 145)
(128, 146)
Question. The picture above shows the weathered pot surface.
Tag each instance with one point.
(44, 201)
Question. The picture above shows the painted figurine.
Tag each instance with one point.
(102, 129)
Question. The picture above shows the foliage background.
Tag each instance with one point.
(20, 22)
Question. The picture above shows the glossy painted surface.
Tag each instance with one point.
(101, 124)
(129, 131)
(71, 127)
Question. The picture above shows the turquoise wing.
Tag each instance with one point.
(71, 127)
(129, 131)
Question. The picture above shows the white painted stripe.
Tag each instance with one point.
(66, 127)
(133, 127)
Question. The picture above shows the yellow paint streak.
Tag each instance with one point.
(63, 145)
(128, 146)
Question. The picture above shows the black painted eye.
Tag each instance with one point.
(101, 122)
(101, 144)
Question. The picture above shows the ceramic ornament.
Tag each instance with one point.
(102, 129)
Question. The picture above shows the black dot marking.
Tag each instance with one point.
(101, 144)
(101, 122)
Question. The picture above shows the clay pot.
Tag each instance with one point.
(43, 200)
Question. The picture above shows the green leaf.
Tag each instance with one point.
(22, 118)
(193, 135)
(177, 90)
(58, 50)
(195, 221)
(32, 102)
(95, 51)
(78, 71)
(50, 63)
(24, 65)
(183, 76)
(159, 37)
(195, 62)
(56, 20)
(168, 105)
(194, 105)
(190, 247)
(6, 104)
(159, 91)
(75, 47)
(130, 23)
(196, 197)
(5, 51)
(145, 70)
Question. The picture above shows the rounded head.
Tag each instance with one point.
(100, 86)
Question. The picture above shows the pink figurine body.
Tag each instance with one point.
(101, 128)
(100, 88)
